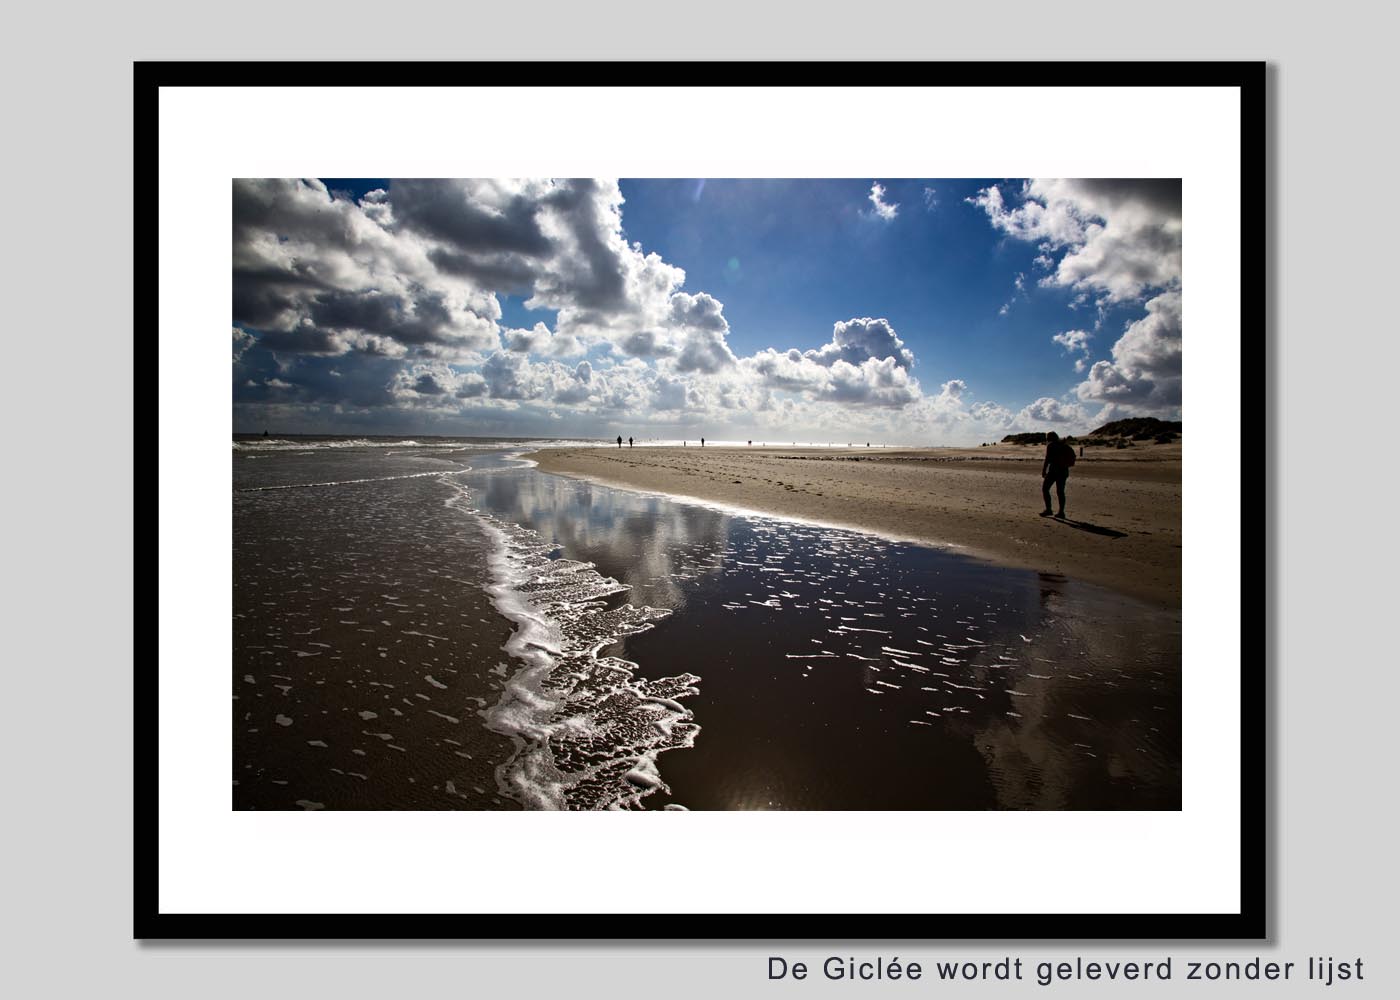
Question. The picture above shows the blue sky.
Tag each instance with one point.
(806, 255)
(907, 311)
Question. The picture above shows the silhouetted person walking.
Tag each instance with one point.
(619, 444)
(702, 442)
(1059, 457)
(629, 442)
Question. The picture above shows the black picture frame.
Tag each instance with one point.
(1250, 922)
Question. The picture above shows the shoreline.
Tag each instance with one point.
(1123, 529)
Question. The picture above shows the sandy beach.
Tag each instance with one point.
(1123, 528)
(436, 625)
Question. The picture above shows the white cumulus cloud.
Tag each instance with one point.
(882, 209)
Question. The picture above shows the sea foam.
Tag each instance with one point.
(587, 729)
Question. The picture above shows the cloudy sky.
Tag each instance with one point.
(890, 310)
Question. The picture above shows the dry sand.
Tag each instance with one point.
(1123, 505)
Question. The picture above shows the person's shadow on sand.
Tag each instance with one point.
(1093, 529)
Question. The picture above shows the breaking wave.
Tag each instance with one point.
(271, 444)
(349, 482)
(318, 444)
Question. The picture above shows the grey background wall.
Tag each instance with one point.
(68, 547)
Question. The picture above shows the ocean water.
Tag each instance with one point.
(435, 624)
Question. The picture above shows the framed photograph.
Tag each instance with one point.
(746, 499)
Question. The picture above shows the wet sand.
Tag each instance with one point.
(444, 628)
(1123, 529)
(363, 649)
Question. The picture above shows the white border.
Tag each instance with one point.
(216, 860)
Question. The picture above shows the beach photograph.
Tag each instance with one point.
(707, 494)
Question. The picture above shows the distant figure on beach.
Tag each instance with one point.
(619, 444)
(702, 442)
(1081, 451)
(750, 443)
(264, 433)
(629, 442)
(1058, 459)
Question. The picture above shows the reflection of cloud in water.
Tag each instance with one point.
(1085, 700)
(647, 542)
